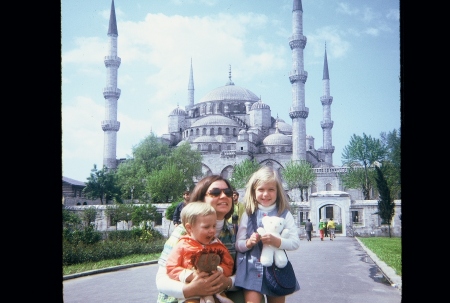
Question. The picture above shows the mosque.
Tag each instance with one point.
(230, 124)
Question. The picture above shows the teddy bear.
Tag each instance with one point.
(207, 262)
(275, 226)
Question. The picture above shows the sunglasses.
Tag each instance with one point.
(215, 192)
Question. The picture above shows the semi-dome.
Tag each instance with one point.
(178, 112)
(205, 139)
(284, 127)
(260, 105)
(222, 139)
(277, 139)
(214, 120)
(230, 92)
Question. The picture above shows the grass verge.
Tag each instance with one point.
(388, 250)
(77, 268)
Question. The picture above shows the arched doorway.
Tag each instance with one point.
(331, 204)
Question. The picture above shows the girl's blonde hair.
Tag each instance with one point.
(263, 175)
(192, 210)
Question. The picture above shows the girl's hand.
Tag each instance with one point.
(269, 239)
(253, 240)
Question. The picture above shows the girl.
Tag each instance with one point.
(264, 196)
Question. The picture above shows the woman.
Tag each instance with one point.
(216, 191)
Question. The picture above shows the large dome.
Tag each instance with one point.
(277, 139)
(215, 120)
(230, 92)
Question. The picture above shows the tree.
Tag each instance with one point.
(392, 164)
(242, 173)
(70, 220)
(150, 170)
(124, 212)
(385, 202)
(148, 156)
(143, 214)
(362, 153)
(166, 184)
(298, 174)
(189, 163)
(101, 185)
(89, 215)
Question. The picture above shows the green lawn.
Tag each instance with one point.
(388, 250)
(77, 268)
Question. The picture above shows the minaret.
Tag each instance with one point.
(298, 111)
(191, 89)
(327, 123)
(111, 93)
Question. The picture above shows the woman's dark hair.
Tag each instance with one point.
(200, 190)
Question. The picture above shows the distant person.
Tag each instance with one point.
(177, 213)
(200, 250)
(321, 229)
(325, 229)
(331, 228)
(238, 209)
(308, 229)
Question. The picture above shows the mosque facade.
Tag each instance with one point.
(230, 123)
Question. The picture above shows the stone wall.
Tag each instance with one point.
(369, 225)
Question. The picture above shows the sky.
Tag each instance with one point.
(157, 39)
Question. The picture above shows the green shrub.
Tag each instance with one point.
(147, 235)
(88, 235)
(82, 253)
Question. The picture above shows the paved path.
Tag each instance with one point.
(339, 271)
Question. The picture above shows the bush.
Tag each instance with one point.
(82, 253)
(147, 235)
(88, 235)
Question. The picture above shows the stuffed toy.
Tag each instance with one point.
(207, 262)
(275, 226)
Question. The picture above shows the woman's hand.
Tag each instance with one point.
(205, 285)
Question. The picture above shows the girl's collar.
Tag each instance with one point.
(267, 208)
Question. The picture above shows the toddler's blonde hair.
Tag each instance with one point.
(192, 210)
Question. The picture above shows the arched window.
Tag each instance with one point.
(211, 131)
(227, 131)
(197, 131)
(219, 130)
(313, 188)
(84, 203)
(209, 147)
(328, 187)
(204, 132)
(199, 147)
